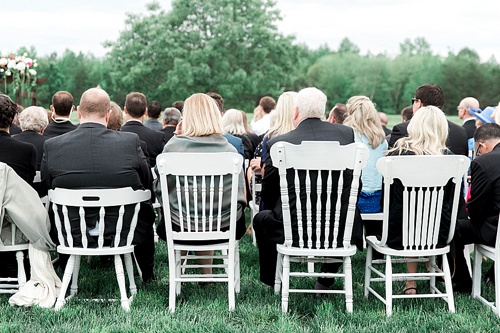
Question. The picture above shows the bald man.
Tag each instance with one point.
(93, 156)
(469, 123)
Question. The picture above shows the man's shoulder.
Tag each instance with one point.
(401, 126)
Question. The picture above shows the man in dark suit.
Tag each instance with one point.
(62, 106)
(33, 121)
(171, 117)
(93, 156)
(484, 203)
(20, 156)
(430, 94)
(469, 121)
(310, 106)
(135, 109)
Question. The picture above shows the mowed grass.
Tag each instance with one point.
(258, 309)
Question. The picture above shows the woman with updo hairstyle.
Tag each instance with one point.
(427, 133)
(234, 124)
(202, 133)
(115, 120)
(363, 118)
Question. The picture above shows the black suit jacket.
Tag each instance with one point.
(20, 156)
(155, 140)
(55, 129)
(36, 140)
(94, 157)
(169, 132)
(311, 129)
(470, 128)
(456, 141)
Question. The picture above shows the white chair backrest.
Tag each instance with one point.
(198, 184)
(98, 198)
(424, 179)
(336, 164)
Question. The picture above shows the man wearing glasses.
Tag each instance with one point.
(430, 94)
(484, 203)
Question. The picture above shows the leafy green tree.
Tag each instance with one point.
(346, 46)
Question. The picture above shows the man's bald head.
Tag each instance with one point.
(95, 103)
(465, 104)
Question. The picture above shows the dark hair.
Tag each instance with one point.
(136, 104)
(179, 105)
(407, 113)
(62, 101)
(339, 113)
(487, 132)
(218, 99)
(267, 103)
(430, 94)
(8, 110)
(154, 110)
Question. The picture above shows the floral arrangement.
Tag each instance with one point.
(20, 71)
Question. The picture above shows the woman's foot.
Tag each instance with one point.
(410, 288)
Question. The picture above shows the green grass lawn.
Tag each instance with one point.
(257, 308)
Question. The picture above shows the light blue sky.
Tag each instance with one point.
(374, 25)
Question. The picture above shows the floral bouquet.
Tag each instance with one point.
(20, 71)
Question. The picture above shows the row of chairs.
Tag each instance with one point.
(199, 188)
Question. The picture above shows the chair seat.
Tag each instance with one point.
(297, 251)
(13, 248)
(104, 251)
(486, 250)
(375, 243)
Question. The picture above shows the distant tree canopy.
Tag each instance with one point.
(233, 47)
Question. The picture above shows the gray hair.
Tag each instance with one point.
(33, 118)
(171, 116)
(311, 103)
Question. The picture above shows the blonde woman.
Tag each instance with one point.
(364, 119)
(202, 132)
(233, 123)
(427, 133)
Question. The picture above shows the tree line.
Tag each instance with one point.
(233, 47)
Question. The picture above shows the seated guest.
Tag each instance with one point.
(154, 111)
(363, 118)
(171, 117)
(15, 129)
(468, 118)
(261, 126)
(94, 157)
(338, 114)
(233, 123)
(33, 121)
(427, 133)
(62, 106)
(309, 108)
(484, 203)
(115, 120)
(407, 113)
(179, 105)
(20, 156)
(135, 109)
(383, 121)
(202, 132)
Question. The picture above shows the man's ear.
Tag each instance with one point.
(108, 114)
(145, 112)
(125, 110)
(52, 108)
(78, 112)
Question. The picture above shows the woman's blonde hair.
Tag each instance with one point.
(427, 133)
(282, 116)
(233, 123)
(363, 118)
(201, 116)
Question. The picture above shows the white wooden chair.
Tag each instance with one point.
(121, 244)
(321, 163)
(199, 210)
(424, 179)
(492, 253)
(10, 285)
(254, 205)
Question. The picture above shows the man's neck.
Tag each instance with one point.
(6, 129)
(101, 121)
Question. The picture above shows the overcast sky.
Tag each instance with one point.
(374, 25)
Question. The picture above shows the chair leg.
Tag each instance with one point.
(120, 277)
(172, 259)
(388, 285)
(231, 277)
(21, 274)
(237, 273)
(178, 271)
(68, 271)
(74, 279)
(476, 273)
(348, 284)
(285, 283)
(129, 267)
(497, 289)
(449, 287)
(368, 272)
(278, 274)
